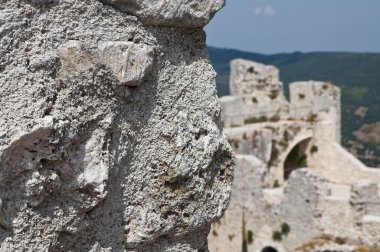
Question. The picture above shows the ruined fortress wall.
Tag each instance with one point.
(315, 210)
(298, 204)
(313, 194)
(247, 199)
(110, 137)
(335, 163)
(271, 142)
(310, 99)
(234, 112)
(248, 77)
(258, 90)
(257, 95)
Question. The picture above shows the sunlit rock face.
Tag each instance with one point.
(110, 136)
(176, 13)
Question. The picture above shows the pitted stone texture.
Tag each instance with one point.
(179, 13)
(110, 136)
(128, 61)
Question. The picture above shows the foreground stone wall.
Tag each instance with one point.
(110, 137)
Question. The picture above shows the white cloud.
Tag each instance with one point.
(265, 11)
(258, 11)
(269, 11)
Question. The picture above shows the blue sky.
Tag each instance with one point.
(272, 26)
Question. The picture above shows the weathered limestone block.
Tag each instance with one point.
(309, 97)
(316, 101)
(371, 230)
(364, 191)
(256, 95)
(110, 136)
(253, 79)
(232, 112)
(128, 61)
(181, 13)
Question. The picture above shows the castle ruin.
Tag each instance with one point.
(295, 188)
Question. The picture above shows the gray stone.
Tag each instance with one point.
(180, 13)
(129, 62)
(110, 136)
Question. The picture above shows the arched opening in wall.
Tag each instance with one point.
(269, 249)
(296, 158)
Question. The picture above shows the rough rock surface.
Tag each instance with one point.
(179, 13)
(110, 135)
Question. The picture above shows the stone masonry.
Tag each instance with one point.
(295, 188)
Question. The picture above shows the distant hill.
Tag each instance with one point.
(357, 74)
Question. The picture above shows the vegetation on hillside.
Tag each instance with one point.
(357, 74)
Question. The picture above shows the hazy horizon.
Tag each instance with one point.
(273, 26)
(290, 52)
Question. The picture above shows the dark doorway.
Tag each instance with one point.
(296, 158)
(269, 249)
